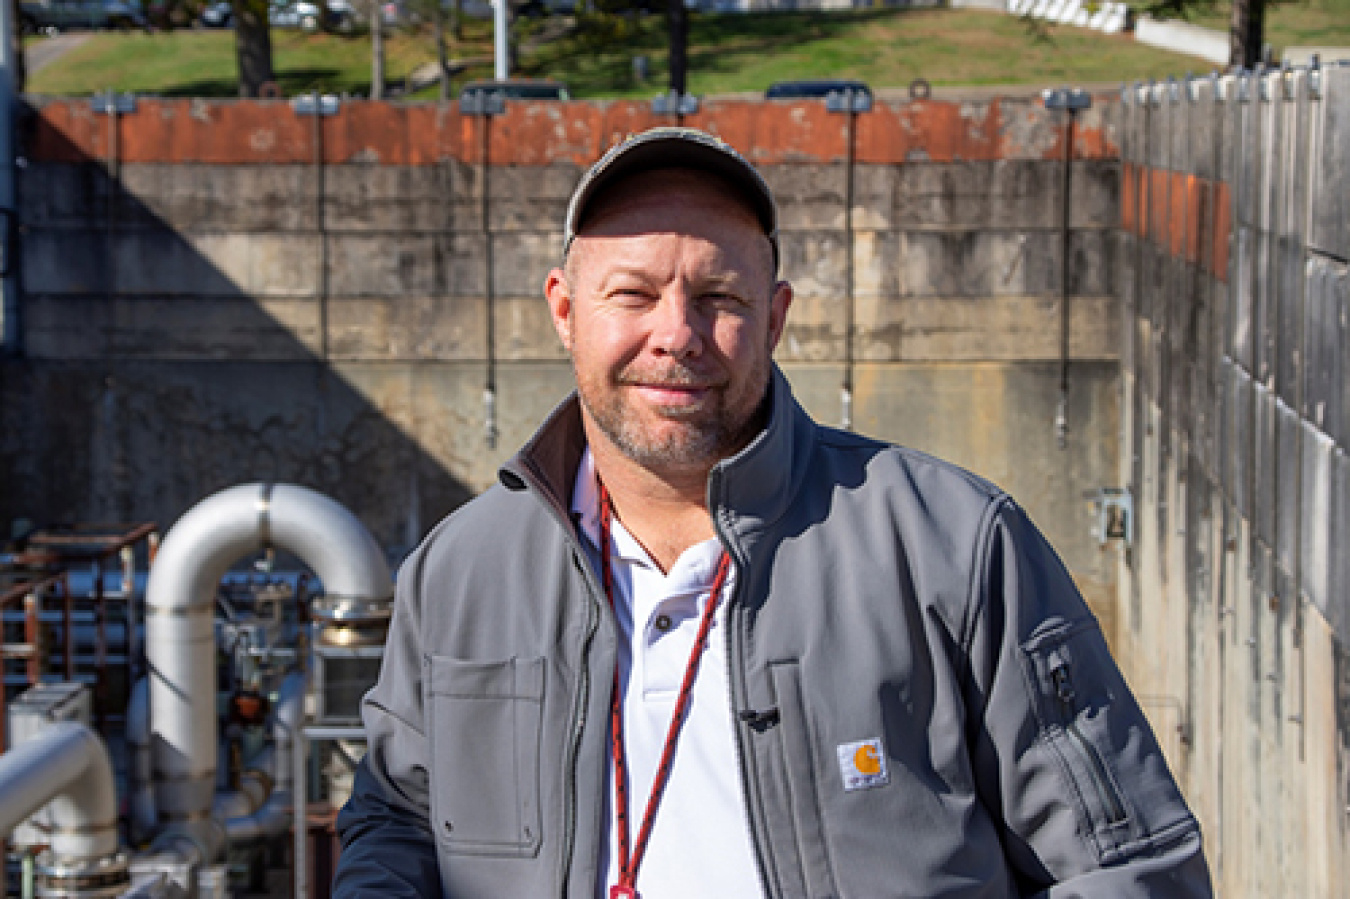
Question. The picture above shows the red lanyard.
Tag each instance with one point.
(628, 862)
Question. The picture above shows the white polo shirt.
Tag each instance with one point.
(700, 844)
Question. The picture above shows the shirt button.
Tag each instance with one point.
(663, 623)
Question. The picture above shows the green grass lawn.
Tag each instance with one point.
(202, 63)
(1314, 23)
(886, 48)
(727, 53)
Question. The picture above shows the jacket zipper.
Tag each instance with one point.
(736, 684)
(574, 744)
(1106, 792)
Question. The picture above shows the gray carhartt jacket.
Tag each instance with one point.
(883, 597)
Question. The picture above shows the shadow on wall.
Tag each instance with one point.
(152, 378)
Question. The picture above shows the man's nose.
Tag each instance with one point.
(678, 328)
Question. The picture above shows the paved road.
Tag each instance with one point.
(47, 50)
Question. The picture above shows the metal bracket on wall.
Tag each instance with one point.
(1315, 77)
(671, 103)
(113, 103)
(1071, 98)
(314, 104)
(848, 100)
(483, 103)
(1113, 514)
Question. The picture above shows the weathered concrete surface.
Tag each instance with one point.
(1234, 349)
(998, 420)
(245, 293)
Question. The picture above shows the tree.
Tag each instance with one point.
(376, 50)
(1246, 33)
(677, 20)
(442, 58)
(15, 38)
(253, 46)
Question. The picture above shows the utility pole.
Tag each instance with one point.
(501, 39)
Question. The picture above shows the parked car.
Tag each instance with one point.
(217, 15)
(51, 16)
(338, 15)
(518, 89)
(823, 87)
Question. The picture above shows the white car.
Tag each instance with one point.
(310, 17)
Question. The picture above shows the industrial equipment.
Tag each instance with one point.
(244, 673)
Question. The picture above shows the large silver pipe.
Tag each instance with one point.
(180, 642)
(66, 768)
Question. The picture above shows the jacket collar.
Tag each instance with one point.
(746, 492)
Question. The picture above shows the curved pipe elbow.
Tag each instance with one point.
(67, 769)
(271, 820)
(194, 556)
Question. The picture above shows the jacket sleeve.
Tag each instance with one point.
(388, 847)
(1063, 755)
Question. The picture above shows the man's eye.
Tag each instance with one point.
(722, 299)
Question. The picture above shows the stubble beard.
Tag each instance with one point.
(700, 438)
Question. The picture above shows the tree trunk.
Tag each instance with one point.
(253, 46)
(442, 62)
(1246, 33)
(457, 23)
(20, 74)
(677, 21)
(376, 51)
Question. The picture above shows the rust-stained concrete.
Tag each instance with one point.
(260, 294)
(542, 134)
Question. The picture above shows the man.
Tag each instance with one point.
(697, 645)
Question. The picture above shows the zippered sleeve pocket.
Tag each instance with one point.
(1090, 723)
(484, 722)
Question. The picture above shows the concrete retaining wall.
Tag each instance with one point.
(227, 291)
(1235, 292)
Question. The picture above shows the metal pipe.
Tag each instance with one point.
(65, 768)
(1061, 419)
(144, 820)
(287, 723)
(846, 416)
(1062, 411)
(180, 644)
(501, 49)
(320, 225)
(490, 387)
(299, 756)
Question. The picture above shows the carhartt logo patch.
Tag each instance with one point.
(863, 765)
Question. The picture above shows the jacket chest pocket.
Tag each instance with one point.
(484, 723)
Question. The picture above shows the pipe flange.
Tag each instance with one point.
(351, 609)
(352, 635)
(86, 878)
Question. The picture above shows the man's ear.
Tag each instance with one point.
(778, 310)
(559, 296)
